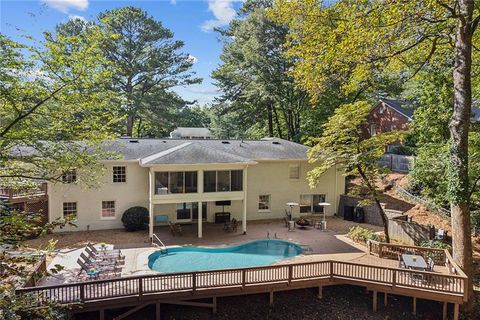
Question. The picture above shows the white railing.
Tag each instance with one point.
(155, 237)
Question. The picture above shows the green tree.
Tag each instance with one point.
(51, 98)
(147, 64)
(54, 113)
(343, 144)
(361, 41)
(254, 77)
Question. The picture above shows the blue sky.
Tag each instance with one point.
(190, 20)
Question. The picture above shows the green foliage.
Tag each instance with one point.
(344, 144)
(436, 244)
(361, 234)
(43, 100)
(135, 218)
(15, 227)
(257, 87)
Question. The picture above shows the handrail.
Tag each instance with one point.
(158, 239)
(331, 270)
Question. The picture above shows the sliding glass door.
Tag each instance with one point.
(188, 211)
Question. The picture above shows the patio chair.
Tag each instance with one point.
(401, 264)
(430, 264)
(232, 226)
(175, 228)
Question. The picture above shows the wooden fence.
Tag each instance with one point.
(409, 232)
(443, 287)
(397, 162)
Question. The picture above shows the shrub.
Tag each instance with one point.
(436, 244)
(360, 234)
(135, 218)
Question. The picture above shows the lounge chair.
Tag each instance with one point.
(113, 257)
(103, 266)
(175, 228)
(112, 252)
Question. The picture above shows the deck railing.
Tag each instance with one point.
(287, 274)
(10, 193)
(392, 251)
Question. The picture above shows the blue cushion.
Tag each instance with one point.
(161, 218)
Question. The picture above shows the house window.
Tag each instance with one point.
(373, 130)
(237, 180)
(294, 171)
(309, 203)
(108, 209)
(222, 181)
(210, 181)
(264, 202)
(119, 174)
(175, 182)
(69, 176)
(70, 210)
(381, 110)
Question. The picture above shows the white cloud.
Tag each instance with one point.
(192, 58)
(75, 17)
(222, 10)
(205, 90)
(173, 2)
(65, 5)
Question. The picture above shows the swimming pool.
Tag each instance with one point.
(250, 254)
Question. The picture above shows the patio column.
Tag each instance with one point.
(151, 184)
(200, 220)
(244, 214)
(200, 209)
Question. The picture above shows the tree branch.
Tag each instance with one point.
(35, 107)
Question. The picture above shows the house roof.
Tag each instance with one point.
(190, 151)
(407, 109)
(401, 106)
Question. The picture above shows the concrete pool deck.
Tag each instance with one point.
(318, 246)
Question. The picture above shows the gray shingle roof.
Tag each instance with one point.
(206, 151)
(191, 153)
(402, 106)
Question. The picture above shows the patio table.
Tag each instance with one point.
(413, 261)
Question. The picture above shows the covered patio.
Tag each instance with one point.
(313, 240)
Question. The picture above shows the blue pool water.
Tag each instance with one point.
(250, 254)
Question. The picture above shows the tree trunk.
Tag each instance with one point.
(130, 122)
(270, 120)
(459, 127)
(373, 193)
(277, 122)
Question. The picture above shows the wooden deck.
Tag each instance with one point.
(158, 288)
